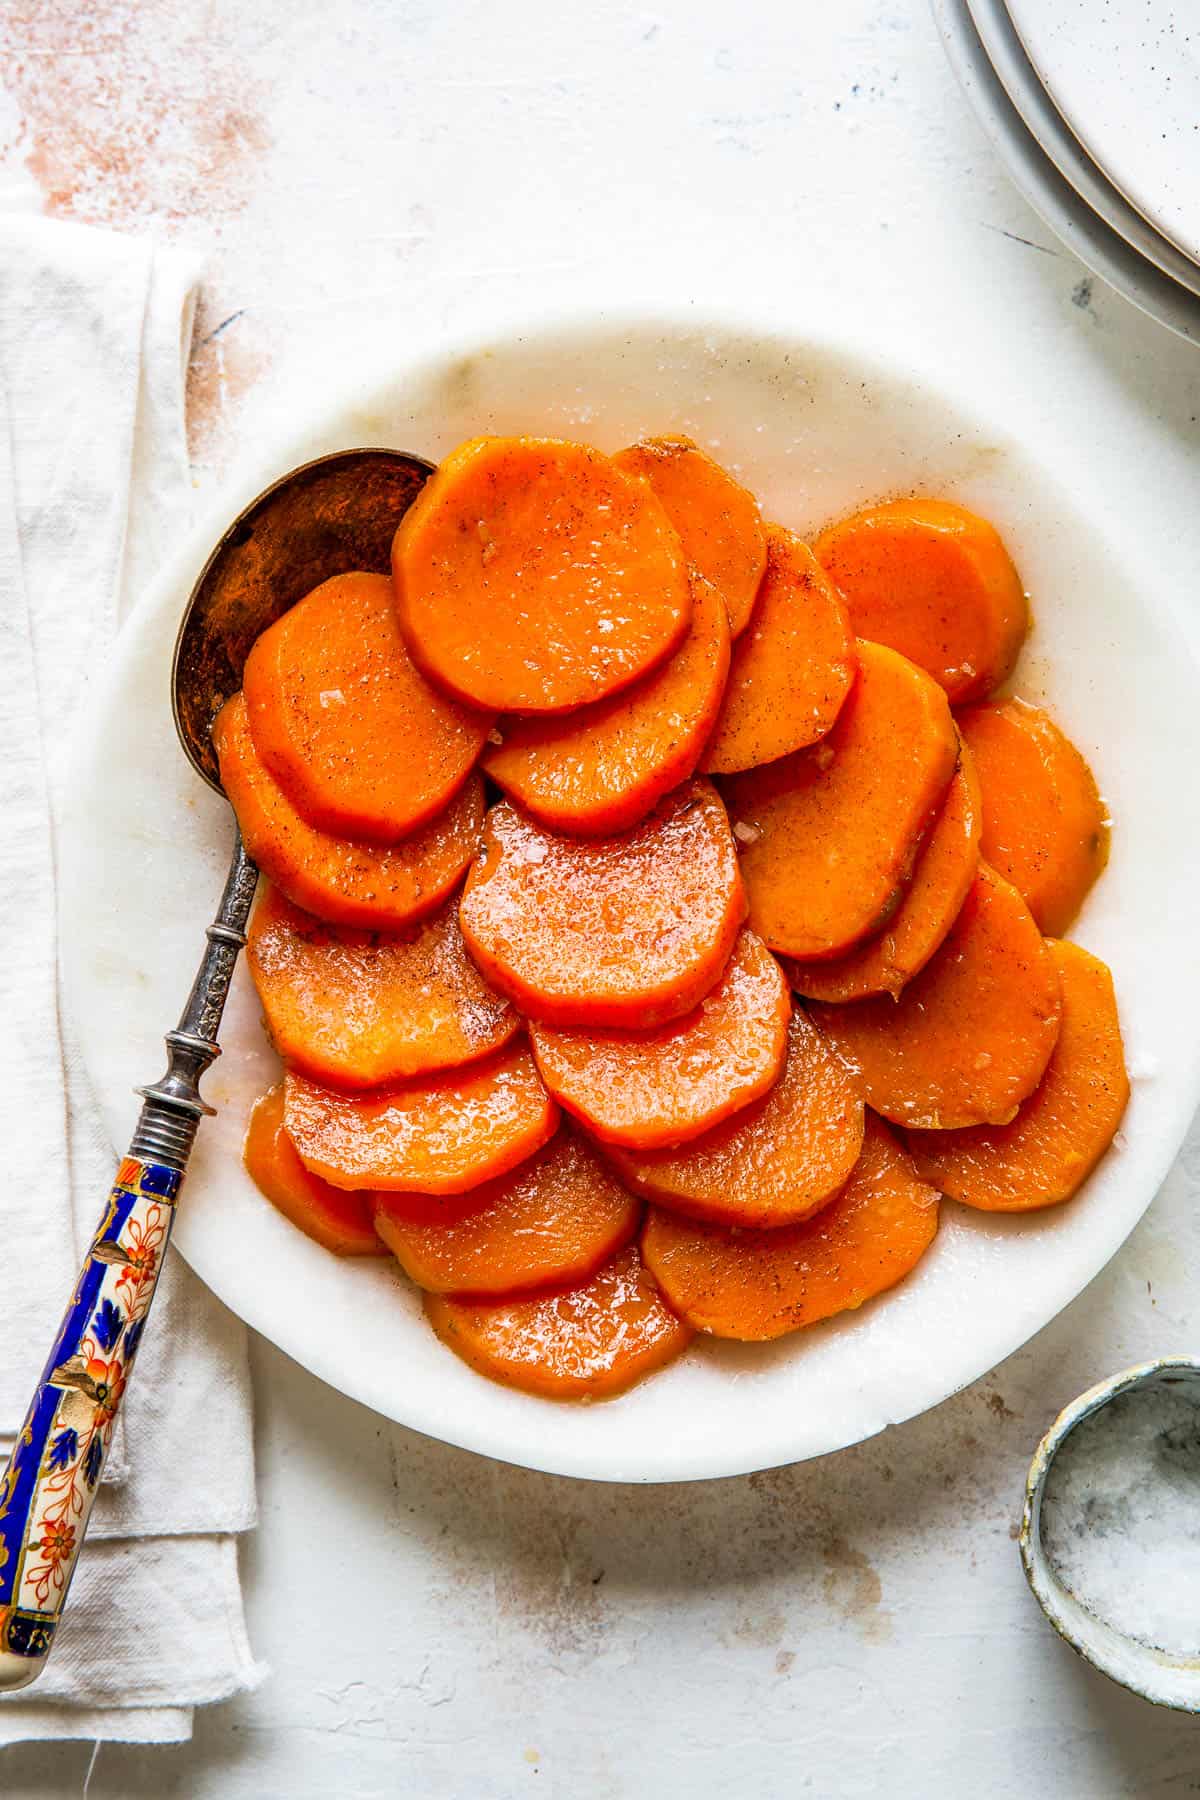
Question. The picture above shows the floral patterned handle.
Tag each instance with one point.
(47, 1490)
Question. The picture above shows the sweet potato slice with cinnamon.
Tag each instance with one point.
(552, 1222)
(1063, 1129)
(603, 767)
(941, 881)
(1045, 828)
(533, 575)
(338, 1220)
(629, 930)
(936, 583)
(344, 720)
(379, 887)
(792, 667)
(589, 1343)
(830, 834)
(754, 1285)
(358, 1009)
(971, 1035)
(440, 1135)
(772, 1163)
(717, 519)
(649, 1088)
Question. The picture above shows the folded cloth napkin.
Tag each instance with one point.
(94, 485)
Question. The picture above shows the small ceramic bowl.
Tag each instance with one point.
(1164, 1679)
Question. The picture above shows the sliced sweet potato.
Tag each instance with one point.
(970, 1036)
(589, 1343)
(941, 881)
(830, 834)
(358, 1009)
(552, 1222)
(649, 1088)
(340, 1221)
(1045, 828)
(792, 667)
(717, 519)
(605, 766)
(441, 1135)
(533, 575)
(754, 1285)
(629, 930)
(345, 721)
(936, 583)
(774, 1162)
(1063, 1129)
(379, 887)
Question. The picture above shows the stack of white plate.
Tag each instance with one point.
(1094, 108)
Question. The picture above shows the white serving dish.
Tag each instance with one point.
(815, 426)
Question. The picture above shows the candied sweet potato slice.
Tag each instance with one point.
(629, 930)
(533, 575)
(379, 887)
(344, 720)
(941, 881)
(717, 519)
(936, 583)
(440, 1135)
(338, 1220)
(1063, 1129)
(792, 667)
(829, 835)
(603, 767)
(589, 1343)
(359, 1009)
(1044, 824)
(971, 1035)
(754, 1285)
(649, 1088)
(552, 1222)
(773, 1163)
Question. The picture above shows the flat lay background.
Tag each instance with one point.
(437, 1625)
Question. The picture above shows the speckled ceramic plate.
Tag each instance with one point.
(1055, 200)
(815, 427)
(1125, 74)
(1020, 81)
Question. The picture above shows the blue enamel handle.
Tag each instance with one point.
(47, 1490)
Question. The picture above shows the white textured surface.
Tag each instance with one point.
(855, 1627)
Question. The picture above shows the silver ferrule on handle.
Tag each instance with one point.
(173, 1106)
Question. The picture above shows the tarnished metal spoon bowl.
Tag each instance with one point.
(325, 518)
(328, 516)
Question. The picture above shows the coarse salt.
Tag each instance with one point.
(1120, 1519)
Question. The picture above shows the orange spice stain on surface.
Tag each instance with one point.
(226, 362)
(136, 114)
(131, 111)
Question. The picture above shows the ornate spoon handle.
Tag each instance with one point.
(47, 1489)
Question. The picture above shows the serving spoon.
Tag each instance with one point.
(332, 515)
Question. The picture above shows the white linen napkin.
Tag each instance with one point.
(94, 484)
